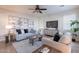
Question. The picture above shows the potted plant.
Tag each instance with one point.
(74, 28)
(75, 25)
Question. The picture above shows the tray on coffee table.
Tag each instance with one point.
(46, 49)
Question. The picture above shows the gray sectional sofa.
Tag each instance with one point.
(21, 34)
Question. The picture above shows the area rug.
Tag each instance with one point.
(25, 47)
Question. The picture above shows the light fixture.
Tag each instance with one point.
(9, 27)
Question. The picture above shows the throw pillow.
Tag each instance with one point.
(18, 31)
(56, 37)
(25, 30)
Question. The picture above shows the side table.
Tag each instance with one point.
(74, 37)
(10, 38)
(40, 37)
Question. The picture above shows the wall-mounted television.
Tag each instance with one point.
(52, 24)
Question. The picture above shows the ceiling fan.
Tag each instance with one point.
(38, 9)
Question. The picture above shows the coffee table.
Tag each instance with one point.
(35, 37)
(51, 50)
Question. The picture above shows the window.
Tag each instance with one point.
(67, 20)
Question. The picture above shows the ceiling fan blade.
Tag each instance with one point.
(43, 9)
(40, 11)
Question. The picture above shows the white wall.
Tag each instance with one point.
(3, 22)
(59, 17)
(53, 18)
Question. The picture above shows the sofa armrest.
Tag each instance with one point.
(59, 46)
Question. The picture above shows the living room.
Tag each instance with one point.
(37, 20)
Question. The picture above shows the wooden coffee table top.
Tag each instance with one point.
(51, 50)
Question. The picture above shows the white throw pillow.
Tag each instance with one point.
(65, 39)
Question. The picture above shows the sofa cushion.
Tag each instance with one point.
(32, 31)
(65, 39)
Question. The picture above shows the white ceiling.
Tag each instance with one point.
(25, 8)
(59, 8)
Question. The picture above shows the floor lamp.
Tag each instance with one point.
(9, 27)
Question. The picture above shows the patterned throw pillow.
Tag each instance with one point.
(25, 30)
(56, 37)
(18, 31)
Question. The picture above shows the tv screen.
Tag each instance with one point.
(52, 24)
